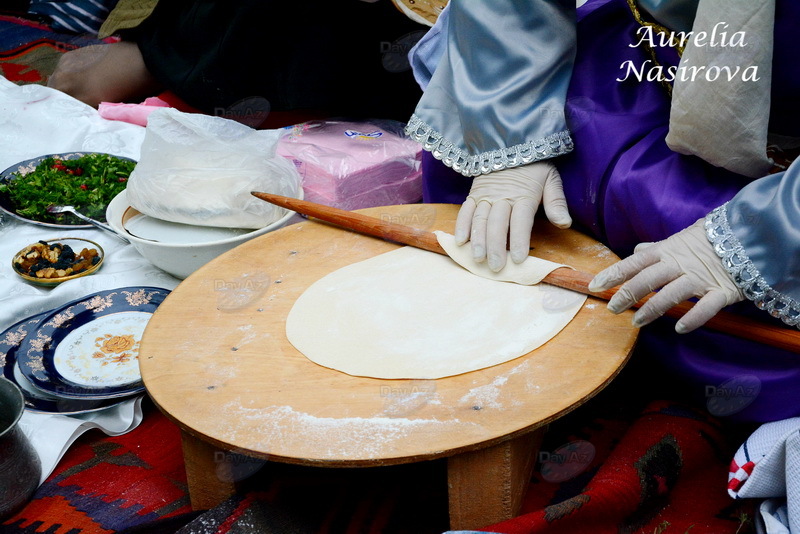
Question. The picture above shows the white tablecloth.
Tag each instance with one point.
(34, 121)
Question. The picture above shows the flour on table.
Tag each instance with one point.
(372, 437)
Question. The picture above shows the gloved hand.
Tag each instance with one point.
(502, 204)
(686, 265)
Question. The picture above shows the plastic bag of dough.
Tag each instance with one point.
(198, 169)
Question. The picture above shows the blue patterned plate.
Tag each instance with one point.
(35, 400)
(89, 348)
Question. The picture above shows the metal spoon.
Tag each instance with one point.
(98, 224)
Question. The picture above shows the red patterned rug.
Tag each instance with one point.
(108, 484)
(665, 475)
(136, 483)
(615, 465)
(29, 50)
(663, 472)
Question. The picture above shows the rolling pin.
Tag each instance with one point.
(773, 335)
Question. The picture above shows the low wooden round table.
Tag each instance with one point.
(215, 359)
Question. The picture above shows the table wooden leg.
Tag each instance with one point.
(208, 483)
(487, 486)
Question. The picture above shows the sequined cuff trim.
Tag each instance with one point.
(496, 160)
(744, 272)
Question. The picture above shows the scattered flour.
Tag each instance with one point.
(485, 396)
(598, 250)
(488, 396)
(250, 335)
(333, 438)
(402, 403)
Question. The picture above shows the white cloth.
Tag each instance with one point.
(772, 517)
(35, 121)
(722, 120)
(52, 435)
(767, 466)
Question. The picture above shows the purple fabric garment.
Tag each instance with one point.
(441, 184)
(625, 186)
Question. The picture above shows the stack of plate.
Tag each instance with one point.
(82, 356)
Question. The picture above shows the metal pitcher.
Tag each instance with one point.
(20, 467)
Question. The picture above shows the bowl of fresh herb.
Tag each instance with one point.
(88, 181)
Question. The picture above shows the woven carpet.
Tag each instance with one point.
(664, 476)
(619, 464)
(108, 484)
(29, 50)
(614, 466)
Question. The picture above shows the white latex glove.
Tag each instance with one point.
(502, 205)
(685, 265)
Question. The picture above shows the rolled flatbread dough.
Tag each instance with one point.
(529, 272)
(414, 314)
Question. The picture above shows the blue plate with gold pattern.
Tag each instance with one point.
(89, 348)
(35, 400)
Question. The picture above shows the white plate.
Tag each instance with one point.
(146, 227)
(104, 352)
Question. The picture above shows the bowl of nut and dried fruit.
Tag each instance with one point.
(53, 261)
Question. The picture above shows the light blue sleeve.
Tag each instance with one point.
(757, 236)
(426, 54)
(496, 96)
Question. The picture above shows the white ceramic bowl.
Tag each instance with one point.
(179, 249)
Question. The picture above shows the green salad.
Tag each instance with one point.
(89, 183)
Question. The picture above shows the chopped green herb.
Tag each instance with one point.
(89, 183)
